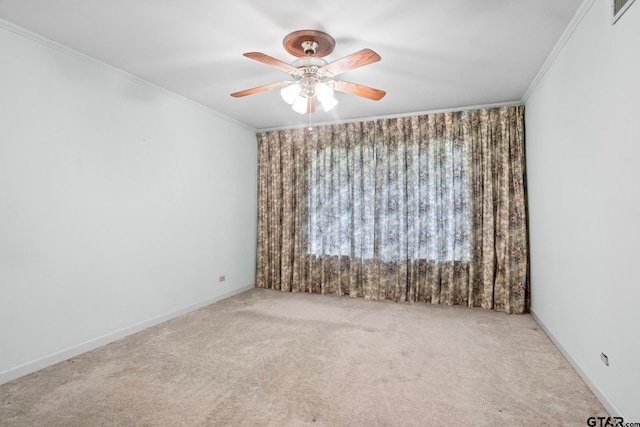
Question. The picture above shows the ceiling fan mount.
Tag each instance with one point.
(314, 77)
(303, 43)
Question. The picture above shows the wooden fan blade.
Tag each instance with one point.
(355, 60)
(258, 89)
(269, 60)
(358, 90)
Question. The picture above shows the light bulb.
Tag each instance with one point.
(300, 105)
(290, 92)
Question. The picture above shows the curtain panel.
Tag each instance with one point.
(428, 208)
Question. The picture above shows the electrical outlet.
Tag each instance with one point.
(221, 278)
(604, 359)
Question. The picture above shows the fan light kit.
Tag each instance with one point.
(313, 77)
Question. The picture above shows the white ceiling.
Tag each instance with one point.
(436, 55)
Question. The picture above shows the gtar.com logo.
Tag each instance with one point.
(605, 421)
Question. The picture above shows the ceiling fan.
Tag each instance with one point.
(313, 77)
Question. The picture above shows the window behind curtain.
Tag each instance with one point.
(407, 200)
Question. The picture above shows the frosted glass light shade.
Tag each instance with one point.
(300, 105)
(325, 96)
(329, 103)
(324, 91)
(290, 92)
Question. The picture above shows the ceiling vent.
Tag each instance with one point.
(618, 8)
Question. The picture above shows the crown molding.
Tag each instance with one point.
(394, 116)
(37, 38)
(568, 32)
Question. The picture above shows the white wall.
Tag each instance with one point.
(583, 160)
(120, 204)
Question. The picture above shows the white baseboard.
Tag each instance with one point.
(608, 405)
(52, 359)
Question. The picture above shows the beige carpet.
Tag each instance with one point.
(266, 358)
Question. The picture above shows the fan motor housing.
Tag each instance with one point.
(309, 62)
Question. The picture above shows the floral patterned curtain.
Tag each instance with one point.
(428, 208)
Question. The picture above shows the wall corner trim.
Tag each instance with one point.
(564, 38)
(52, 359)
(608, 405)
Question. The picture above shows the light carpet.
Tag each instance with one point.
(268, 358)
